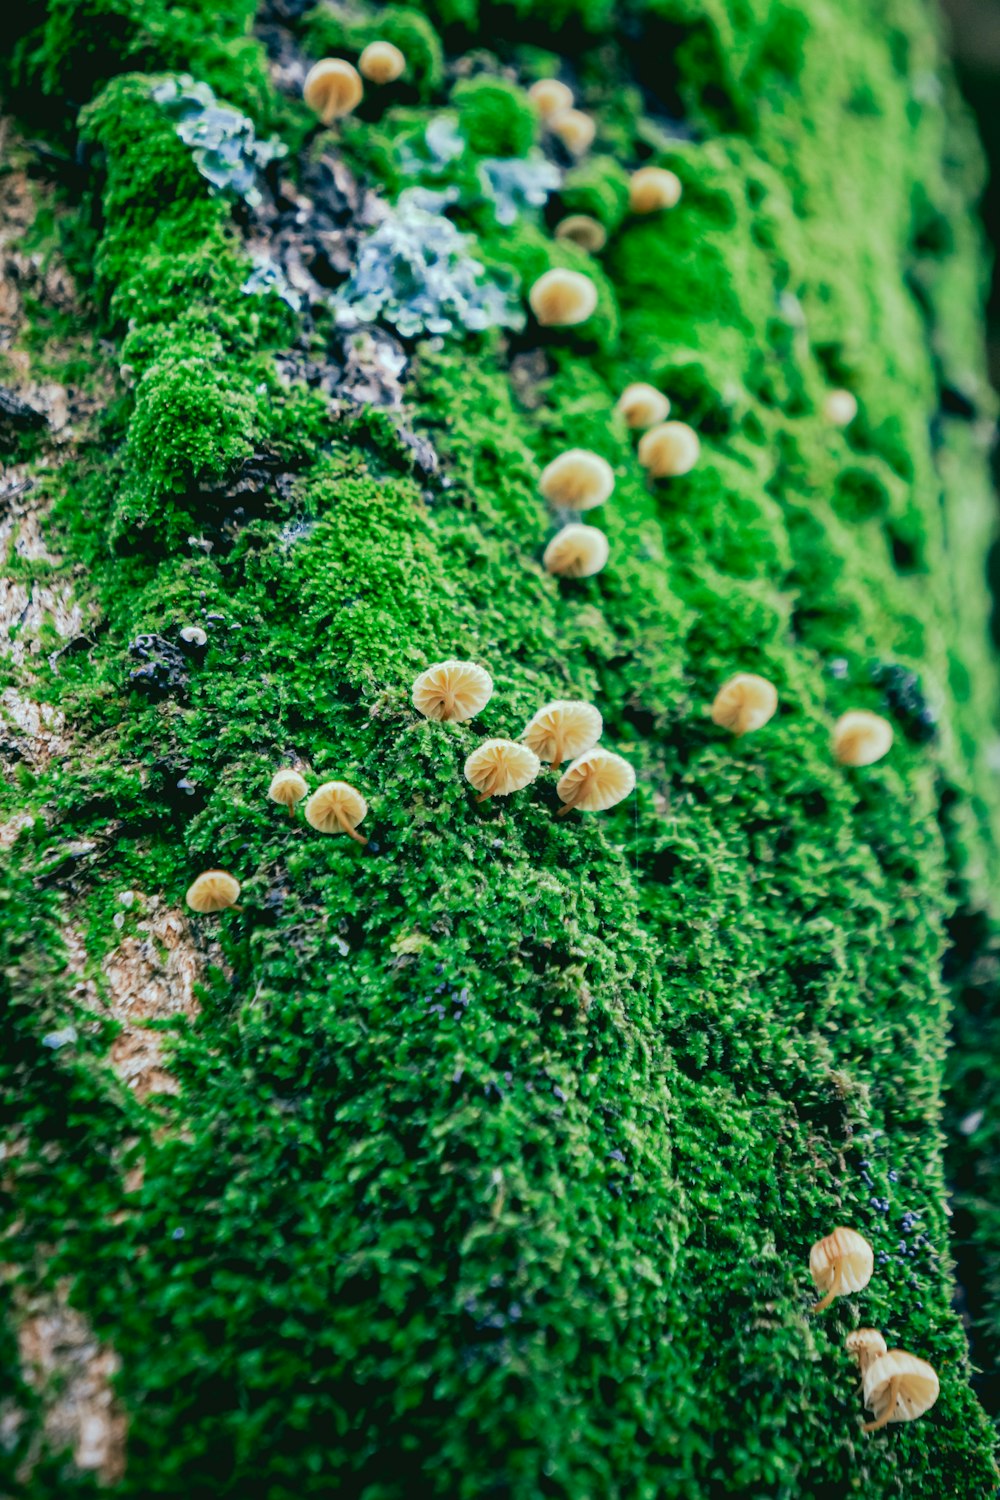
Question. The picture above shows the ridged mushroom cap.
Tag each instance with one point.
(899, 1387)
(381, 62)
(549, 96)
(332, 88)
(670, 449)
(744, 703)
(864, 1345)
(575, 129)
(643, 405)
(596, 781)
(861, 738)
(564, 729)
(454, 690)
(580, 229)
(840, 407)
(577, 551)
(333, 804)
(653, 188)
(577, 480)
(841, 1262)
(561, 299)
(287, 787)
(213, 890)
(498, 767)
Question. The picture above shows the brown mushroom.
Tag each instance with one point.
(668, 450)
(381, 62)
(561, 299)
(575, 129)
(594, 782)
(577, 480)
(899, 1387)
(562, 730)
(332, 88)
(213, 890)
(580, 229)
(577, 551)
(453, 690)
(865, 1345)
(653, 188)
(498, 767)
(337, 807)
(288, 788)
(549, 96)
(840, 1263)
(860, 738)
(642, 405)
(744, 703)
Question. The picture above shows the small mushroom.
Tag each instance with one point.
(580, 229)
(653, 188)
(865, 1345)
(860, 738)
(287, 788)
(594, 782)
(193, 635)
(577, 551)
(575, 129)
(332, 89)
(454, 690)
(214, 890)
(563, 730)
(381, 62)
(839, 1263)
(549, 97)
(577, 480)
(668, 450)
(840, 408)
(899, 1387)
(561, 299)
(744, 703)
(337, 807)
(498, 767)
(643, 405)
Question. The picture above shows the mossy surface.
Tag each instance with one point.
(498, 1147)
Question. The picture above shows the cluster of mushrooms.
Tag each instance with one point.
(897, 1386)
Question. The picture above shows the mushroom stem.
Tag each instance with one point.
(484, 797)
(566, 808)
(557, 753)
(351, 832)
(889, 1409)
(235, 908)
(824, 1302)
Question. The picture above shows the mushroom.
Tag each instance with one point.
(580, 229)
(643, 405)
(841, 1262)
(594, 782)
(670, 449)
(744, 703)
(577, 551)
(865, 1345)
(498, 767)
(193, 635)
(381, 62)
(337, 807)
(288, 788)
(575, 129)
(899, 1387)
(840, 408)
(454, 690)
(214, 890)
(861, 738)
(332, 88)
(549, 97)
(563, 730)
(653, 188)
(577, 480)
(560, 299)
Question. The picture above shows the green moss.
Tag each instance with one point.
(496, 117)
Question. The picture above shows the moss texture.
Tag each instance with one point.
(498, 1147)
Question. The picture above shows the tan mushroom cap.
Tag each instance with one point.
(213, 890)
(653, 188)
(561, 299)
(575, 129)
(498, 767)
(454, 690)
(332, 88)
(744, 703)
(563, 729)
(381, 62)
(840, 408)
(337, 807)
(840, 1263)
(595, 782)
(899, 1387)
(577, 480)
(580, 229)
(668, 450)
(577, 551)
(864, 1345)
(861, 738)
(643, 405)
(549, 96)
(287, 787)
